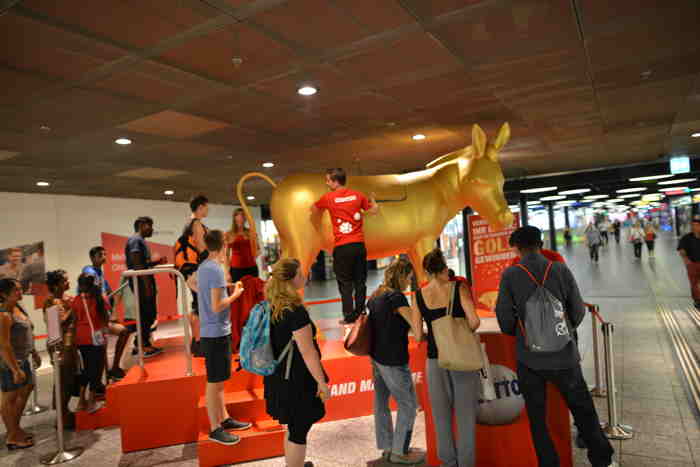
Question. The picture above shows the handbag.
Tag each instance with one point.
(359, 339)
(458, 348)
(487, 391)
(98, 337)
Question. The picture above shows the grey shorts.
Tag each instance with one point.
(7, 383)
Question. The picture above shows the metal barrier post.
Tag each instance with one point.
(139, 335)
(62, 455)
(598, 390)
(613, 429)
(34, 407)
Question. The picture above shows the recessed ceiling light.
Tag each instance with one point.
(695, 189)
(307, 90)
(169, 192)
(596, 197)
(250, 198)
(575, 192)
(675, 188)
(680, 180)
(633, 195)
(695, 135)
(614, 200)
(418, 137)
(631, 190)
(122, 141)
(552, 198)
(650, 177)
(44, 128)
(539, 190)
(566, 203)
(530, 203)
(42, 184)
(268, 165)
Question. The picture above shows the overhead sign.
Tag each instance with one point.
(680, 165)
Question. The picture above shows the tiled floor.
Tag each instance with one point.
(651, 394)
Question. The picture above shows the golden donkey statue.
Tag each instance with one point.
(414, 207)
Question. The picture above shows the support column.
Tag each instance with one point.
(523, 210)
(675, 221)
(552, 230)
(566, 217)
(466, 212)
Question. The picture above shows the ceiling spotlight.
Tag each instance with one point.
(123, 141)
(268, 165)
(633, 195)
(168, 192)
(307, 90)
(695, 135)
(250, 198)
(539, 190)
(42, 184)
(596, 197)
(650, 177)
(552, 198)
(575, 192)
(418, 137)
(631, 190)
(237, 61)
(680, 180)
(46, 128)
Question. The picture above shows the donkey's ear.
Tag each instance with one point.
(503, 136)
(478, 141)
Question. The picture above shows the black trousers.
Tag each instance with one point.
(617, 236)
(94, 364)
(350, 267)
(148, 311)
(593, 250)
(637, 249)
(573, 388)
(650, 245)
(604, 235)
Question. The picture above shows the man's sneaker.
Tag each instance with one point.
(222, 436)
(152, 352)
(231, 424)
(409, 458)
(116, 374)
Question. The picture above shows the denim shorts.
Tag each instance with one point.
(7, 383)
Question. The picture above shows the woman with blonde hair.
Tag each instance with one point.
(452, 393)
(390, 319)
(241, 247)
(296, 401)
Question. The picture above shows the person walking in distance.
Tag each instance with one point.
(347, 208)
(562, 368)
(593, 241)
(617, 227)
(689, 249)
(604, 226)
(636, 238)
(650, 238)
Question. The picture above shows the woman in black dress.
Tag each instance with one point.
(296, 401)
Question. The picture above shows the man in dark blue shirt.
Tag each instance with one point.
(138, 256)
(562, 368)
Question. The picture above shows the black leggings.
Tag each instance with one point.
(94, 364)
(650, 245)
(298, 431)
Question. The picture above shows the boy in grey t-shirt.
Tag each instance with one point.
(215, 330)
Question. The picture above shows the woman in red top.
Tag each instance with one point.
(91, 318)
(241, 247)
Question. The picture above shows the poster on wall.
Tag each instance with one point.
(489, 254)
(116, 264)
(26, 264)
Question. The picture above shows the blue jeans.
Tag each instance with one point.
(395, 381)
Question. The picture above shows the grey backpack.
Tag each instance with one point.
(544, 325)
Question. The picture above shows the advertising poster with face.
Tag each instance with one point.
(26, 264)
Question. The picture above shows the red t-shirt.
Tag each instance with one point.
(83, 333)
(549, 254)
(345, 207)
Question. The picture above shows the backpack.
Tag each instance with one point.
(256, 354)
(544, 325)
(185, 251)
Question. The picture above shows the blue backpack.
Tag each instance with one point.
(256, 352)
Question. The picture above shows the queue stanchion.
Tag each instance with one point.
(34, 408)
(62, 455)
(598, 390)
(613, 429)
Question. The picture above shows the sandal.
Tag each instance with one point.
(15, 446)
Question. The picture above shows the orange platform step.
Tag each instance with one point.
(264, 440)
(247, 405)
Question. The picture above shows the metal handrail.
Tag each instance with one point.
(184, 306)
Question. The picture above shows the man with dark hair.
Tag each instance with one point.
(562, 368)
(347, 208)
(214, 309)
(138, 256)
(98, 257)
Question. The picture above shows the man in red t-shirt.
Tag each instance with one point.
(347, 208)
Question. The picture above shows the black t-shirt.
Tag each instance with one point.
(281, 333)
(691, 244)
(430, 315)
(389, 329)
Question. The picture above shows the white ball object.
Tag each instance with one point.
(357, 216)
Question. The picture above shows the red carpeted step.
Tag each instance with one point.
(256, 443)
(248, 405)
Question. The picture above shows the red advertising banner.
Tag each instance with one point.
(489, 255)
(116, 264)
